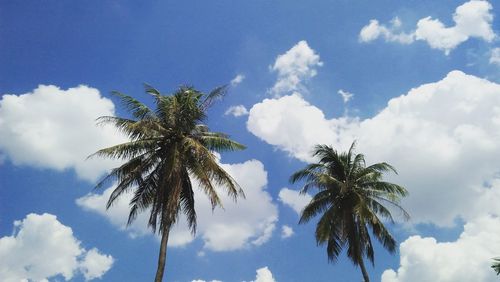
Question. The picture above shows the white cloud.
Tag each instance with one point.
(390, 33)
(472, 19)
(294, 67)
(346, 95)
(94, 264)
(248, 222)
(466, 259)
(286, 231)
(56, 129)
(263, 275)
(41, 247)
(495, 56)
(237, 111)
(443, 137)
(294, 199)
(237, 80)
(291, 124)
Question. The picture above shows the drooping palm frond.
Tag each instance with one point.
(215, 94)
(496, 265)
(350, 201)
(136, 108)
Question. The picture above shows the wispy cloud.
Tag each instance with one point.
(286, 231)
(495, 56)
(346, 96)
(237, 80)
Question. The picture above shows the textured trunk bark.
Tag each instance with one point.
(162, 258)
(363, 270)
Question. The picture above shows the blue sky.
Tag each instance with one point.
(425, 84)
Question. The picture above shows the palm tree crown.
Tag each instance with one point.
(168, 147)
(351, 200)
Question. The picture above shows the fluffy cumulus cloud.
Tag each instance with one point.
(447, 160)
(249, 222)
(56, 129)
(237, 111)
(291, 124)
(472, 19)
(390, 33)
(294, 67)
(41, 247)
(263, 275)
(94, 264)
(294, 199)
(466, 259)
(237, 80)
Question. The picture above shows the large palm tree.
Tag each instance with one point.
(351, 200)
(169, 146)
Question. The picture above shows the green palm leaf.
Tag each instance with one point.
(496, 265)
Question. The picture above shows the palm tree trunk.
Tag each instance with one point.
(162, 258)
(363, 270)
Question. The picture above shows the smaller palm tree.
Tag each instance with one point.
(351, 201)
(496, 265)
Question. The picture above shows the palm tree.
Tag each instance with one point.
(496, 265)
(350, 200)
(169, 146)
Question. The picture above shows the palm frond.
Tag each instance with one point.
(220, 143)
(145, 128)
(307, 173)
(187, 201)
(329, 231)
(152, 91)
(204, 160)
(318, 204)
(136, 108)
(128, 150)
(392, 191)
(381, 167)
(496, 265)
(215, 94)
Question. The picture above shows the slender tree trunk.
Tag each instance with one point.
(363, 270)
(162, 258)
